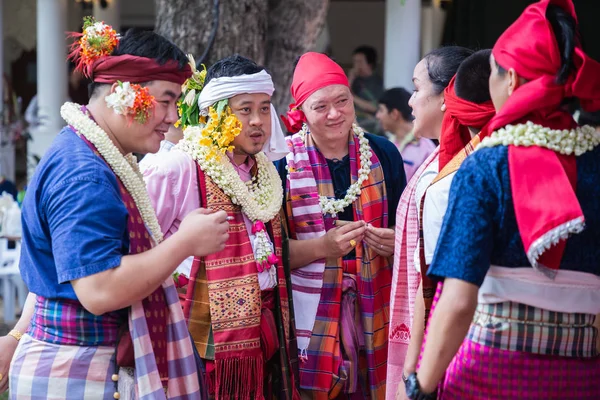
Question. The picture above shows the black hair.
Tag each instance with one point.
(369, 52)
(472, 77)
(234, 65)
(442, 64)
(144, 43)
(397, 99)
(589, 118)
(564, 27)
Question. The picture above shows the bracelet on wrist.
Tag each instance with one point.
(15, 334)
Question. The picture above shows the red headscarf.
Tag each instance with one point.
(313, 72)
(459, 115)
(542, 181)
(128, 68)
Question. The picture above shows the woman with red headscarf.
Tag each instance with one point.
(518, 250)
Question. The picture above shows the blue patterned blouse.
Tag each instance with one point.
(480, 227)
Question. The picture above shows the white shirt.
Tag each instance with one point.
(422, 184)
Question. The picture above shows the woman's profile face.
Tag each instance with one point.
(426, 104)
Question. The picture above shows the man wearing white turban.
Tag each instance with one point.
(236, 301)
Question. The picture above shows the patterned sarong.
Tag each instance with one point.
(481, 372)
(324, 372)
(51, 371)
(224, 306)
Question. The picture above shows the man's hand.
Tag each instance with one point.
(8, 345)
(204, 232)
(337, 241)
(381, 240)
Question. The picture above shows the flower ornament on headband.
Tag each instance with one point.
(131, 100)
(97, 40)
(189, 111)
(217, 127)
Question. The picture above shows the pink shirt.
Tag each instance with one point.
(172, 185)
(414, 154)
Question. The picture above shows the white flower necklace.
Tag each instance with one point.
(260, 199)
(125, 167)
(568, 142)
(334, 206)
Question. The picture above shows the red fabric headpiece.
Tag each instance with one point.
(313, 72)
(459, 115)
(543, 181)
(128, 68)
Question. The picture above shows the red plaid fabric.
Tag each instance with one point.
(481, 372)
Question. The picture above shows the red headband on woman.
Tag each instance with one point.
(459, 115)
(542, 181)
(313, 72)
(134, 69)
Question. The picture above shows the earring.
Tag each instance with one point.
(443, 107)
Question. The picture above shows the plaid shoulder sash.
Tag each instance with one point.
(308, 177)
(156, 328)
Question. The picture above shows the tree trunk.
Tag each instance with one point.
(273, 33)
(241, 28)
(294, 27)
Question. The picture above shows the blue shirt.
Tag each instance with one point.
(74, 221)
(480, 227)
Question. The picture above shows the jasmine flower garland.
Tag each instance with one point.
(124, 166)
(334, 206)
(260, 200)
(568, 142)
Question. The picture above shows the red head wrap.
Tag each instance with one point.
(459, 115)
(542, 181)
(313, 72)
(128, 68)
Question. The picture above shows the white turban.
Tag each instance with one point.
(226, 87)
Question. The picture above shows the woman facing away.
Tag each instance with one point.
(518, 250)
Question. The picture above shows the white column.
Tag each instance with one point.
(7, 151)
(111, 15)
(52, 72)
(402, 42)
(432, 28)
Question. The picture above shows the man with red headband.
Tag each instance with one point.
(342, 187)
(518, 250)
(105, 320)
(236, 300)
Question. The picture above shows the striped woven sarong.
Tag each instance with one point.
(519, 327)
(41, 370)
(481, 372)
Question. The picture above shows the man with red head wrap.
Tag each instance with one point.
(103, 319)
(342, 187)
(518, 250)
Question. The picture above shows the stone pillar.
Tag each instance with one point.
(402, 42)
(52, 71)
(111, 14)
